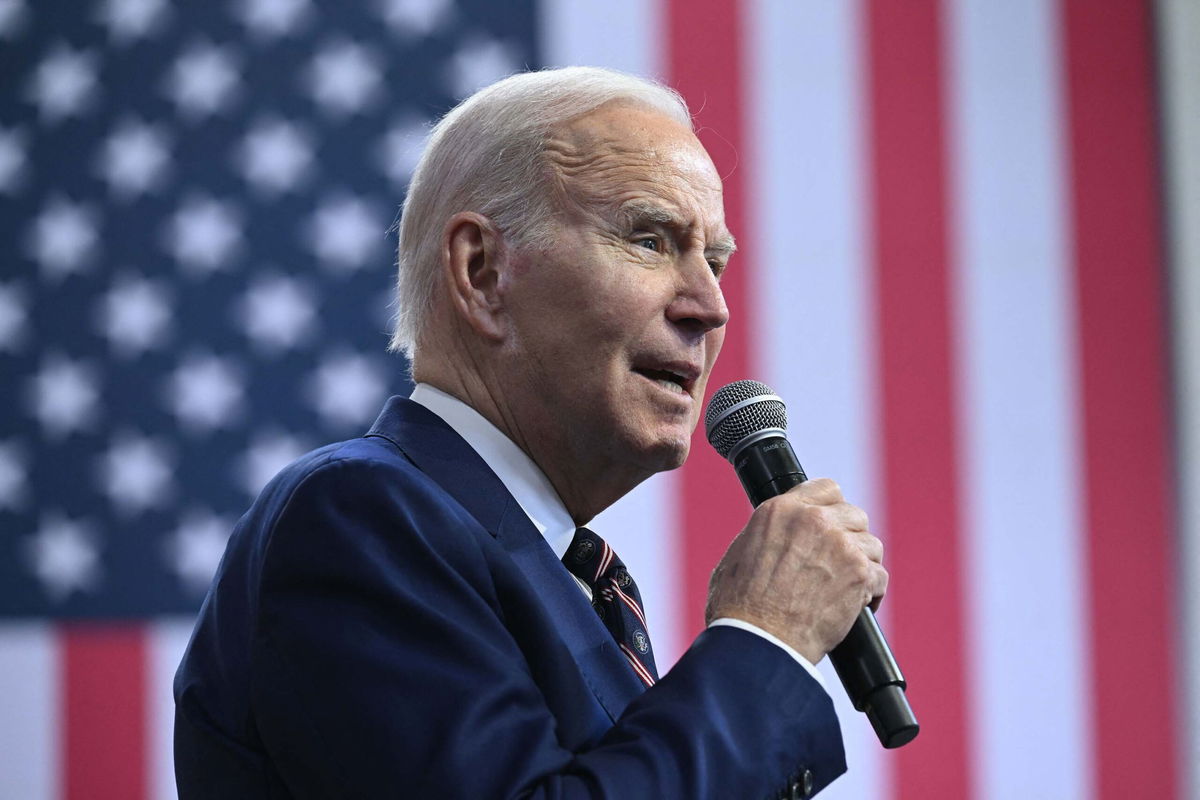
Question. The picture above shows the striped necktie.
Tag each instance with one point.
(615, 597)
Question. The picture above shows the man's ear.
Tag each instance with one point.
(474, 258)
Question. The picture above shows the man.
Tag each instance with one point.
(394, 616)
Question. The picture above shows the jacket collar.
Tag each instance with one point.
(445, 457)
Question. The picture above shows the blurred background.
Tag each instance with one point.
(969, 261)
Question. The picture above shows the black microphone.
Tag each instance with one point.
(747, 424)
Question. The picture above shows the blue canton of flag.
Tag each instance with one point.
(196, 201)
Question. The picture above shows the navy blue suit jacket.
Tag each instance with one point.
(387, 622)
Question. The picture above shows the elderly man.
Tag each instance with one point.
(407, 614)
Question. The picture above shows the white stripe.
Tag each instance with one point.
(1179, 29)
(813, 317)
(630, 602)
(30, 712)
(166, 641)
(621, 34)
(637, 665)
(1027, 643)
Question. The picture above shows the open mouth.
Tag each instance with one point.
(668, 379)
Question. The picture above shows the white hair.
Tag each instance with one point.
(486, 156)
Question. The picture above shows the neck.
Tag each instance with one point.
(585, 486)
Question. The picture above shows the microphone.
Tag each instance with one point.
(746, 422)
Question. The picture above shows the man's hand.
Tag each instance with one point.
(802, 569)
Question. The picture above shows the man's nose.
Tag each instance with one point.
(699, 302)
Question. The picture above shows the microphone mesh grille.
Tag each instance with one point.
(753, 417)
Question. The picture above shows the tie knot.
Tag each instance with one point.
(591, 560)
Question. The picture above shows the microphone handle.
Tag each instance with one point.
(863, 660)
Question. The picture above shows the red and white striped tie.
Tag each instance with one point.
(615, 597)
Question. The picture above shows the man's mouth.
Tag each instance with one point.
(675, 379)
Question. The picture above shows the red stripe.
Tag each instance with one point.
(705, 64)
(629, 601)
(104, 690)
(1118, 274)
(920, 492)
(637, 665)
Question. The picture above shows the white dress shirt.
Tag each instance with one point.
(534, 493)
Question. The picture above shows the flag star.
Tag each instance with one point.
(415, 17)
(13, 160)
(347, 390)
(13, 317)
(63, 396)
(128, 20)
(344, 77)
(277, 313)
(270, 19)
(134, 159)
(203, 80)
(64, 83)
(62, 237)
(203, 234)
(480, 62)
(195, 548)
(134, 315)
(205, 393)
(12, 17)
(64, 556)
(401, 149)
(12, 476)
(275, 155)
(135, 473)
(267, 454)
(344, 232)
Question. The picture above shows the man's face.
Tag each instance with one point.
(619, 320)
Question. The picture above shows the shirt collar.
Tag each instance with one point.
(528, 485)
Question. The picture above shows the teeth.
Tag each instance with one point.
(666, 384)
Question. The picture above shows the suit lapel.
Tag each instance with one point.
(434, 448)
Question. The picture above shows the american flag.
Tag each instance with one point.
(956, 221)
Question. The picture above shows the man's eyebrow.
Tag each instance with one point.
(641, 212)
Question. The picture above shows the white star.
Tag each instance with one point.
(401, 148)
(347, 389)
(267, 454)
(63, 395)
(415, 18)
(344, 77)
(344, 232)
(277, 313)
(13, 160)
(128, 20)
(275, 155)
(62, 237)
(480, 62)
(133, 159)
(194, 550)
(64, 83)
(135, 473)
(13, 317)
(134, 315)
(270, 19)
(12, 17)
(63, 555)
(203, 80)
(205, 393)
(203, 234)
(12, 476)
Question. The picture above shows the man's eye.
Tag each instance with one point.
(717, 267)
(649, 242)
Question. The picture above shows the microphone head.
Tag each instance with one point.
(741, 411)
